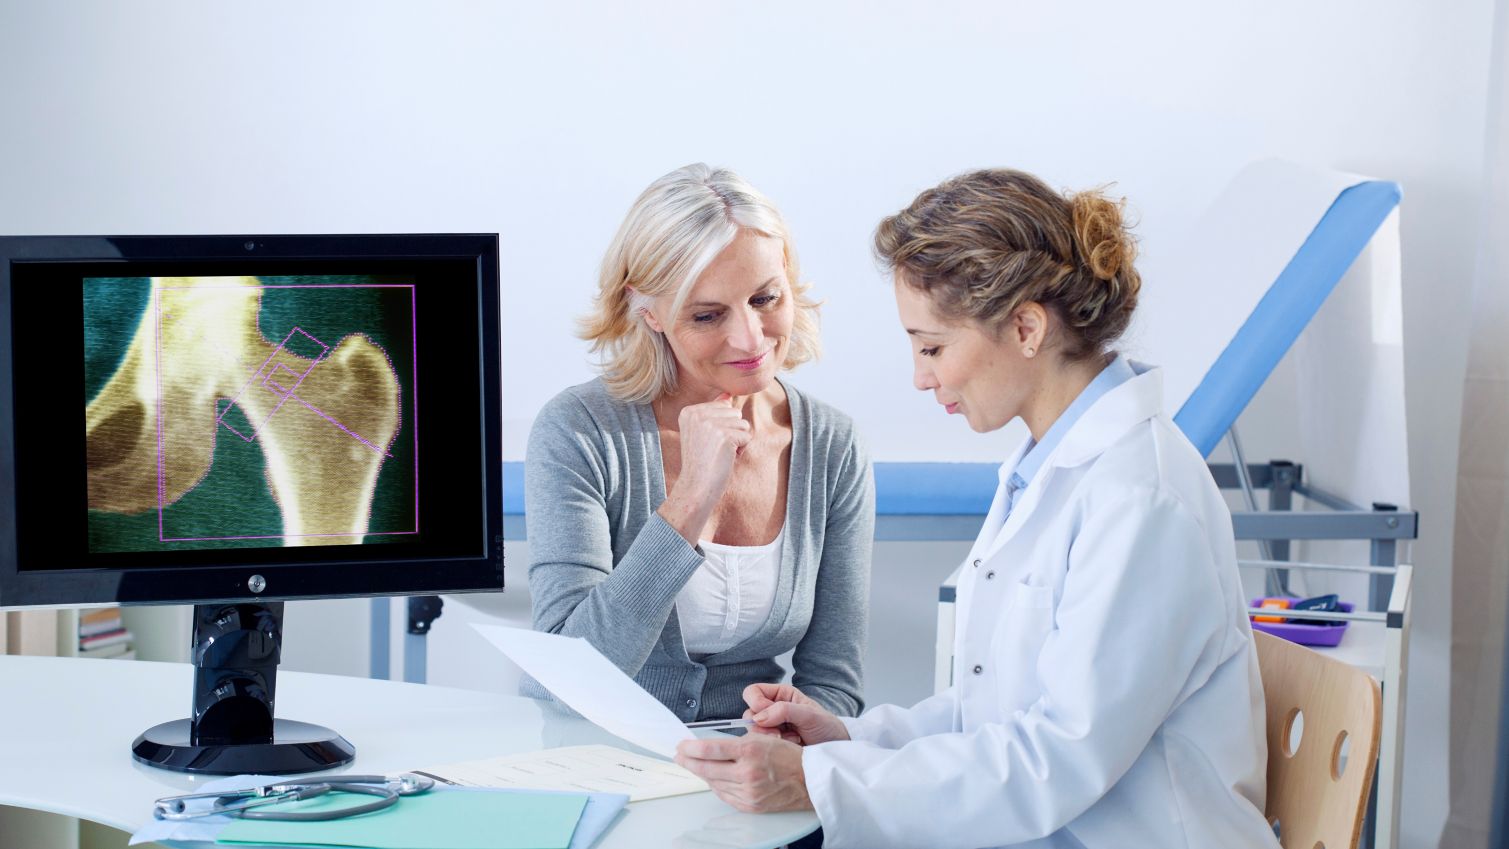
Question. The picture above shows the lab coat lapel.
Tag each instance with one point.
(997, 514)
(1115, 413)
(984, 540)
(1107, 420)
(1026, 503)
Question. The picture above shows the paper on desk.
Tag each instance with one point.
(577, 674)
(581, 769)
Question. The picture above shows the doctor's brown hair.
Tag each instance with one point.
(982, 244)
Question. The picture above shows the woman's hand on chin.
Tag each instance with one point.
(712, 434)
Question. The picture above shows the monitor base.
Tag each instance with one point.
(295, 747)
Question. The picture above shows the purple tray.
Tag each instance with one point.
(1307, 634)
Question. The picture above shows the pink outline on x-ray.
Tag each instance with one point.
(264, 377)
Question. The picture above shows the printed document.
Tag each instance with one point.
(582, 769)
(577, 674)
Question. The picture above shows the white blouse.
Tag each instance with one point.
(729, 597)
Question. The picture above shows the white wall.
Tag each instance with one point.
(542, 121)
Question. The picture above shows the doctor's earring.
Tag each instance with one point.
(1029, 352)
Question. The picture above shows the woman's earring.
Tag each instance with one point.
(1030, 351)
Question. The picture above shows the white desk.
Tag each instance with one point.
(66, 726)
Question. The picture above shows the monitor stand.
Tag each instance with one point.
(232, 731)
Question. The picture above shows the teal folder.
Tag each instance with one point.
(440, 819)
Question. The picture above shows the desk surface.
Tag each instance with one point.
(1362, 646)
(66, 726)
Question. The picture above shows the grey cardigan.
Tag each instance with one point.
(606, 567)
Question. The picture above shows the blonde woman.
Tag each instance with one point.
(690, 513)
(1106, 690)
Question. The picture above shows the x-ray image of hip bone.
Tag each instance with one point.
(204, 367)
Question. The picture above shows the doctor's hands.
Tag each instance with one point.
(712, 435)
(783, 711)
(762, 771)
(756, 773)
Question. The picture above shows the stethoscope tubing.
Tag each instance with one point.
(244, 803)
(386, 797)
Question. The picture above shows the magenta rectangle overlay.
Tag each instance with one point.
(291, 536)
(318, 412)
(291, 286)
(279, 388)
(414, 364)
(256, 428)
(285, 394)
(162, 471)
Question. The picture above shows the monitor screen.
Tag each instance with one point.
(263, 416)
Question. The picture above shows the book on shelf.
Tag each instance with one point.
(122, 650)
(109, 638)
(103, 633)
(96, 615)
(100, 625)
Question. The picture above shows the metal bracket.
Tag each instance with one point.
(423, 611)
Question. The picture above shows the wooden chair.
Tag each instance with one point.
(1320, 766)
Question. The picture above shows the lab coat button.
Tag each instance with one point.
(979, 669)
(977, 564)
(989, 576)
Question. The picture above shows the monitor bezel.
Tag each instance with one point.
(284, 581)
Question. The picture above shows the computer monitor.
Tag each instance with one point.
(264, 418)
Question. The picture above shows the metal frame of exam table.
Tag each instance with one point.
(1389, 593)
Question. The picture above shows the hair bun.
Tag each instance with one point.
(982, 244)
(1101, 239)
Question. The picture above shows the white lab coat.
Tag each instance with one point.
(1106, 691)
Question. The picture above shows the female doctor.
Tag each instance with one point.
(1106, 690)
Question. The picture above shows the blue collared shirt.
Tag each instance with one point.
(1018, 479)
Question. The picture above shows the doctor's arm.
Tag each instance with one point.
(575, 588)
(1140, 626)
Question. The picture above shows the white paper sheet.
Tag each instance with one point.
(1336, 402)
(1201, 285)
(582, 769)
(577, 674)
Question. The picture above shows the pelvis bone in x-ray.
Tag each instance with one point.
(198, 369)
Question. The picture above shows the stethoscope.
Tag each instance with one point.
(244, 803)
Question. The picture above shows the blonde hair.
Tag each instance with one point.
(983, 244)
(672, 233)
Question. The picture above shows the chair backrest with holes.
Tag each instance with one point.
(1324, 720)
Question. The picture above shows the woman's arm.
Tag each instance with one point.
(574, 587)
(1142, 625)
(828, 662)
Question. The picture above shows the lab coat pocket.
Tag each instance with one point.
(1024, 625)
(1032, 597)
